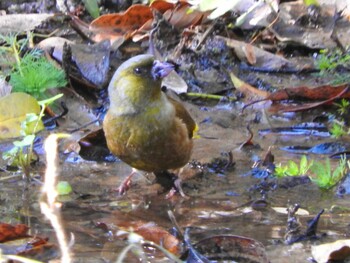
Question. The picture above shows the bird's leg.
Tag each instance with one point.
(176, 188)
(125, 185)
(170, 180)
(176, 185)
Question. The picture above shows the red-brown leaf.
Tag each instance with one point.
(114, 26)
(308, 93)
(10, 232)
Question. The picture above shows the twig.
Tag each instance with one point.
(204, 36)
(210, 96)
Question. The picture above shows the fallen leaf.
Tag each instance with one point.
(13, 110)
(160, 236)
(290, 26)
(261, 58)
(283, 210)
(308, 93)
(336, 251)
(118, 25)
(10, 232)
(247, 89)
(175, 82)
(180, 17)
(307, 106)
(150, 231)
(138, 19)
(227, 248)
(162, 5)
(250, 55)
(326, 93)
(92, 61)
(21, 22)
(55, 44)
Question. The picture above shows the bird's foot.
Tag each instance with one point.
(125, 185)
(171, 193)
(177, 188)
(170, 181)
(177, 185)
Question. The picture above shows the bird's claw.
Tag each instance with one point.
(125, 185)
(177, 188)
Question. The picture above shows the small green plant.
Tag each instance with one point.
(324, 177)
(36, 75)
(22, 154)
(343, 107)
(11, 47)
(293, 169)
(328, 63)
(339, 127)
(330, 60)
(33, 73)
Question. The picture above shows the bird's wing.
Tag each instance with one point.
(183, 114)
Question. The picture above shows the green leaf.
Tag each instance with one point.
(293, 169)
(10, 154)
(337, 130)
(339, 171)
(64, 188)
(303, 164)
(324, 176)
(31, 117)
(280, 171)
(311, 2)
(318, 169)
(92, 7)
(26, 141)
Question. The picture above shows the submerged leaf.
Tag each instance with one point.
(337, 251)
(64, 188)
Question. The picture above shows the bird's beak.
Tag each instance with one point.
(161, 69)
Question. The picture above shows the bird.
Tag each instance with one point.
(143, 126)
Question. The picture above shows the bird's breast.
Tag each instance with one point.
(152, 140)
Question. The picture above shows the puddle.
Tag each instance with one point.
(216, 203)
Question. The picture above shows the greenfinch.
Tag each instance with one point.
(144, 127)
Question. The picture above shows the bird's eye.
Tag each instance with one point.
(138, 71)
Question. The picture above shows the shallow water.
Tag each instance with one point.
(217, 203)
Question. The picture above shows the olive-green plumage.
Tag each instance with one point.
(143, 126)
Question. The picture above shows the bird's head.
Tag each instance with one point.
(137, 82)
